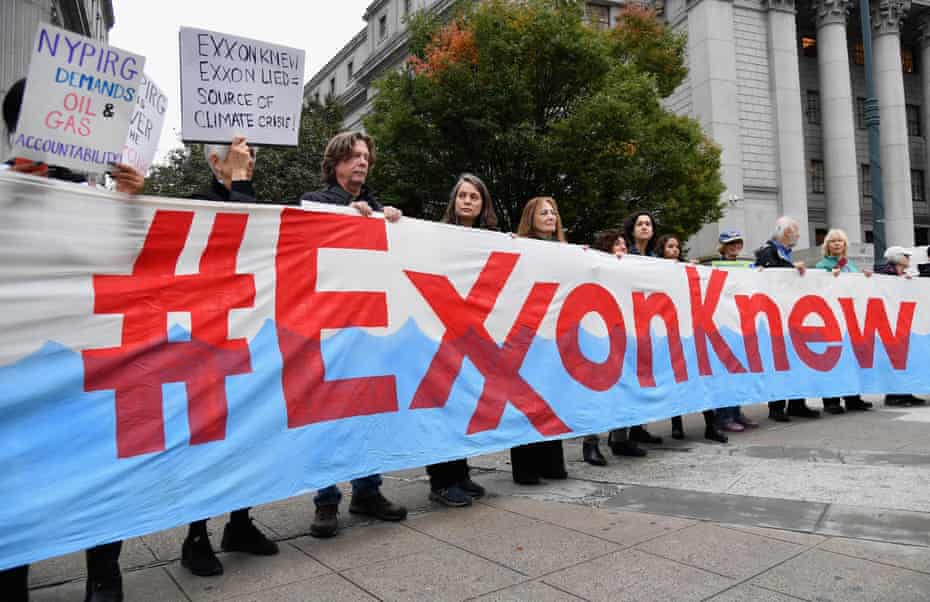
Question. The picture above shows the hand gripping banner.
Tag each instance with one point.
(164, 361)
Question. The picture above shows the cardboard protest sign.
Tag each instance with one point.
(80, 95)
(145, 126)
(237, 86)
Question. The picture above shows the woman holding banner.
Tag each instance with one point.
(469, 206)
(835, 247)
(540, 220)
(639, 230)
(669, 247)
(610, 241)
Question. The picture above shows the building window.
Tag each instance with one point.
(813, 107)
(382, 27)
(809, 47)
(350, 70)
(907, 60)
(860, 113)
(865, 180)
(598, 16)
(859, 54)
(869, 237)
(332, 86)
(921, 236)
(817, 177)
(913, 120)
(917, 186)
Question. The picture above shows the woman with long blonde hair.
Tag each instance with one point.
(529, 463)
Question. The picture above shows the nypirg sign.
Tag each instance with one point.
(80, 95)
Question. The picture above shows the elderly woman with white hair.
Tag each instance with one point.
(836, 260)
(232, 166)
(776, 253)
(898, 259)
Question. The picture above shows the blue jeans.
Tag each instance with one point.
(361, 488)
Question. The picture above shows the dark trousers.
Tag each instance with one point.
(102, 565)
(779, 406)
(198, 528)
(835, 401)
(544, 459)
(447, 474)
(14, 583)
(709, 419)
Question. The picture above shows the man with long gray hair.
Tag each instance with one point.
(346, 161)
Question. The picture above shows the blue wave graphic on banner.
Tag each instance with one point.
(64, 488)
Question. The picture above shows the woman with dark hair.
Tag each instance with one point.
(610, 241)
(540, 220)
(639, 231)
(669, 247)
(469, 206)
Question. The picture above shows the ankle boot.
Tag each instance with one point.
(641, 435)
(591, 454)
(678, 429)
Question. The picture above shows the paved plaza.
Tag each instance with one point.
(829, 509)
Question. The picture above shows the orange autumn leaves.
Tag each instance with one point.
(452, 45)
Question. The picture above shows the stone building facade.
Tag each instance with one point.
(779, 85)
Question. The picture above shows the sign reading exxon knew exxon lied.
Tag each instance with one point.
(233, 86)
(166, 360)
(80, 95)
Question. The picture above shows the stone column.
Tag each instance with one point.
(839, 128)
(925, 98)
(714, 94)
(789, 117)
(889, 86)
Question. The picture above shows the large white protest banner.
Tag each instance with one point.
(80, 95)
(166, 360)
(237, 86)
(145, 125)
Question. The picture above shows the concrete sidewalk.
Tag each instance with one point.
(829, 509)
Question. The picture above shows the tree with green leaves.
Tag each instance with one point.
(530, 98)
(281, 174)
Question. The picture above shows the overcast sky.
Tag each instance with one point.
(320, 27)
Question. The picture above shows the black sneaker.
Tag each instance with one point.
(472, 489)
(379, 507)
(109, 590)
(197, 556)
(453, 497)
(325, 521)
(247, 538)
(714, 435)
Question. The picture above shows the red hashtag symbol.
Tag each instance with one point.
(145, 360)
